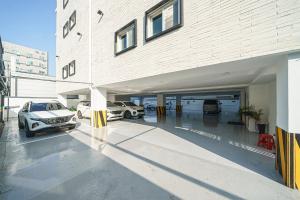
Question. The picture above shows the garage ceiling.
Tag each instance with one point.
(236, 74)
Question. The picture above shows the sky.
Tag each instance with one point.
(30, 23)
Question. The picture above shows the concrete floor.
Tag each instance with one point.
(177, 158)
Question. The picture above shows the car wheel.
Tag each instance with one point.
(79, 114)
(127, 114)
(20, 124)
(27, 130)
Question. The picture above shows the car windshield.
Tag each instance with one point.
(128, 103)
(46, 107)
(110, 104)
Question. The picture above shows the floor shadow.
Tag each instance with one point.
(239, 149)
(65, 168)
(200, 183)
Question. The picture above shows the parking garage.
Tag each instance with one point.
(175, 102)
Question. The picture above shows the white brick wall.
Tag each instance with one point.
(214, 31)
(72, 47)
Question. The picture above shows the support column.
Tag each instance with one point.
(111, 97)
(161, 106)
(178, 104)
(98, 107)
(63, 99)
(142, 101)
(287, 121)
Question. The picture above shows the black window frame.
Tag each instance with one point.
(134, 23)
(67, 26)
(160, 4)
(69, 70)
(70, 19)
(67, 74)
(65, 3)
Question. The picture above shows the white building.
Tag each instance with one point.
(107, 49)
(19, 58)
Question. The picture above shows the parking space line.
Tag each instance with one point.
(38, 140)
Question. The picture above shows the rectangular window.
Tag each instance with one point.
(65, 70)
(72, 68)
(72, 20)
(157, 24)
(125, 38)
(65, 3)
(163, 18)
(66, 29)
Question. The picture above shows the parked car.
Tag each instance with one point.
(84, 109)
(114, 112)
(130, 109)
(211, 106)
(38, 115)
(149, 106)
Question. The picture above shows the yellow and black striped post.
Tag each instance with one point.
(178, 108)
(99, 119)
(288, 157)
(161, 112)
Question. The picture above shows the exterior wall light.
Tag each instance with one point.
(101, 14)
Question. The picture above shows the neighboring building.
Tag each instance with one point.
(106, 49)
(27, 76)
(19, 58)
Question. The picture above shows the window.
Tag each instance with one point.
(124, 41)
(119, 104)
(72, 20)
(66, 29)
(125, 38)
(65, 3)
(157, 24)
(163, 18)
(72, 96)
(72, 68)
(35, 107)
(25, 107)
(65, 72)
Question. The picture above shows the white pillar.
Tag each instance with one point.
(63, 99)
(287, 120)
(98, 107)
(111, 97)
(161, 101)
(288, 95)
(98, 99)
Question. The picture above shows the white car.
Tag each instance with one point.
(114, 112)
(39, 115)
(130, 109)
